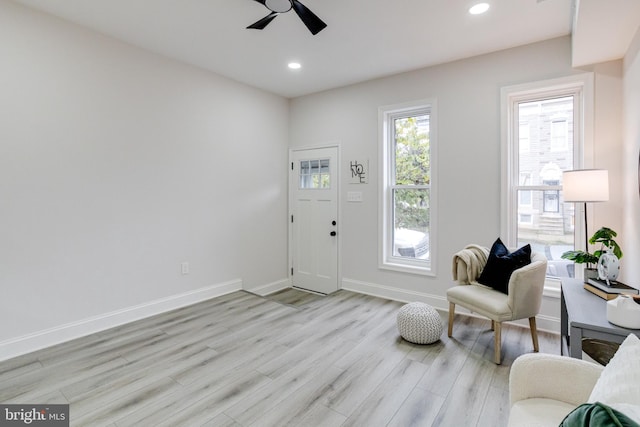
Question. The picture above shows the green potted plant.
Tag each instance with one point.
(604, 236)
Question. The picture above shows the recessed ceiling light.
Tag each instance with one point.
(294, 65)
(479, 8)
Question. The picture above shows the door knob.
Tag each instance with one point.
(333, 223)
(333, 233)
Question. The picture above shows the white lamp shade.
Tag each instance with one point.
(586, 185)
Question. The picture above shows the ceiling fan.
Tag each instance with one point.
(277, 7)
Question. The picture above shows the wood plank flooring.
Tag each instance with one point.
(292, 359)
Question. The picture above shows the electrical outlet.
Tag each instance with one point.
(184, 267)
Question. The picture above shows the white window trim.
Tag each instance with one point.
(385, 260)
(583, 155)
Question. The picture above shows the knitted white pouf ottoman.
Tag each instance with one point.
(419, 323)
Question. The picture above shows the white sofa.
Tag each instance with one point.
(544, 388)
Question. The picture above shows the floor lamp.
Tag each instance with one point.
(585, 186)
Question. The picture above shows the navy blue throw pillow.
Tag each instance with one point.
(501, 263)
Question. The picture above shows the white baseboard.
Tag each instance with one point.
(270, 288)
(49, 337)
(395, 294)
(543, 322)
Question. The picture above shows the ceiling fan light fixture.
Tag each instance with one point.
(294, 65)
(479, 8)
(280, 6)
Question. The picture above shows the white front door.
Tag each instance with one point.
(314, 216)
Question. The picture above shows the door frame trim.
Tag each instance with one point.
(292, 181)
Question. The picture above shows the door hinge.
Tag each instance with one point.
(291, 218)
(292, 271)
(291, 165)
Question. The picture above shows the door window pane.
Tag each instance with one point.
(315, 174)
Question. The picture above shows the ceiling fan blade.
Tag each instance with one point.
(262, 2)
(313, 23)
(259, 25)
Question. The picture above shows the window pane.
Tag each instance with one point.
(304, 167)
(411, 223)
(324, 166)
(543, 221)
(548, 231)
(549, 149)
(412, 150)
(315, 173)
(407, 198)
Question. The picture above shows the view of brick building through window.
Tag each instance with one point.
(545, 150)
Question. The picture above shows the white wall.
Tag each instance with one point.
(631, 125)
(116, 165)
(606, 153)
(468, 99)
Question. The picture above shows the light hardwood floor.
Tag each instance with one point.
(291, 359)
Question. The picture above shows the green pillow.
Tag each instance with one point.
(596, 415)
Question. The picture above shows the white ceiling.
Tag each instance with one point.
(364, 39)
(603, 30)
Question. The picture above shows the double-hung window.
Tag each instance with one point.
(407, 196)
(546, 129)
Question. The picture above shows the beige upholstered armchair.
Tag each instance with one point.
(522, 301)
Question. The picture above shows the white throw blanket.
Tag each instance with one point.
(474, 257)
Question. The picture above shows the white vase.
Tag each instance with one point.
(608, 266)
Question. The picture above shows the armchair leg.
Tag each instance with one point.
(534, 333)
(452, 313)
(497, 342)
